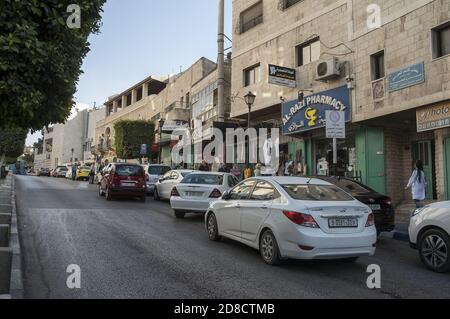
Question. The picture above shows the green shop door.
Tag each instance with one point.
(370, 158)
(424, 151)
(447, 167)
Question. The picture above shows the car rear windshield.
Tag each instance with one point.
(352, 187)
(203, 179)
(321, 193)
(129, 170)
(158, 170)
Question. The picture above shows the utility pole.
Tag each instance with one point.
(221, 61)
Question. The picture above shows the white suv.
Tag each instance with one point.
(429, 233)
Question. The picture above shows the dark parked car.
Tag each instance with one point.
(44, 172)
(123, 180)
(380, 204)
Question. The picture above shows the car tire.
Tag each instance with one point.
(156, 195)
(179, 214)
(100, 192)
(108, 195)
(434, 247)
(268, 248)
(213, 231)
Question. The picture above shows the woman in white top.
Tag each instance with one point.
(418, 184)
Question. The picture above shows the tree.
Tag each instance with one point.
(41, 58)
(12, 144)
(131, 135)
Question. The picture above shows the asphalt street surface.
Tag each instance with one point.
(129, 249)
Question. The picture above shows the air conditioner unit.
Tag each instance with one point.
(328, 69)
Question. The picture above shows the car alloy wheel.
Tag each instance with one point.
(213, 232)
(433, 248)
(269, 248)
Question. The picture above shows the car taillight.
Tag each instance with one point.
(174, 192)
(370, 220)
(387, 201)
(301, 219)
(215, 193)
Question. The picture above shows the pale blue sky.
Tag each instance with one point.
(147, 37)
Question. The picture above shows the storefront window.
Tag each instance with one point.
(346, 157)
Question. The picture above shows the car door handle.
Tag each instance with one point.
(264, 207)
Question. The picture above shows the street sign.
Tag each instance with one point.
(335, 124)
(279, 75)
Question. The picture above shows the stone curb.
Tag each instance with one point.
(17, 290)
(12, 254)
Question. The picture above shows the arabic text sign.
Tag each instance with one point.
(335, 124)
(279, 75)
(309, 114)
(433, 117)
(410, 76)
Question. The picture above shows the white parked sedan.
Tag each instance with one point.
(429, 232)
(198, 190)
(163, 188)
(291, 217)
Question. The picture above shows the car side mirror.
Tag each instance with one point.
(161, 180)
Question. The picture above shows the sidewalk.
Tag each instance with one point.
(11, 285)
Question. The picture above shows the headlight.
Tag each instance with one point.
(417, 211)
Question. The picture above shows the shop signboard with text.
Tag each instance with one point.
(310, 113)
(433, 117)
(279, 75)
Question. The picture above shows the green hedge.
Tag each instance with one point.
(130, 135)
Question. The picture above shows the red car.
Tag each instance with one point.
(123, 180)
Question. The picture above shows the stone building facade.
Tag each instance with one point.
(391, 73)
(169, 107)
(71, 142)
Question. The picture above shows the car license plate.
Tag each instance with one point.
(343, 223)
(128, 184)
(375, 207)
(194, 194)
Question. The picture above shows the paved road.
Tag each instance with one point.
(128, 249)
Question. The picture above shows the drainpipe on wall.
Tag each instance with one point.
(221, 61)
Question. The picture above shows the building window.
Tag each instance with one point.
(128, 99)
(139, 94)
(251, 17)
(441, 41)
(252, 75)
(308, 52)
(289, 3)
(377, 66)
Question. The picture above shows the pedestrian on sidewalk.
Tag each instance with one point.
(418, 184)
(74, 172)
(92, 174)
